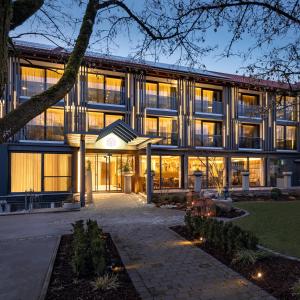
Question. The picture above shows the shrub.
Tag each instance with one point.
(88, 249)
(246, 257)
(106, 282)
(224, 236)
(296, 289)
(276, 193)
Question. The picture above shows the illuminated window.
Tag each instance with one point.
(151, 94)
(207, 134)
(103, 89)
(286, 108)
(95, 88)
(35, 129)
(55, 124)
(109, 119)
(167, 171)
(151, 126)
(247, 100)
(52, 76)
(95, 120)
(208, 100)
(197, 164)
(286, 137)
(25, 172)
(114, 90)
(251, 164)
(168, 129)
(57, 172)
(32, 81)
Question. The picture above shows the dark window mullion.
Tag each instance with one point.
(42, 172)
(157, 97)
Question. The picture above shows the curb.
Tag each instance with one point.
(47, 279)
(278, 253)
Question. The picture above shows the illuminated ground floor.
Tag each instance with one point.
(100, 161)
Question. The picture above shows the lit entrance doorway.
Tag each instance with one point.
(107, 170)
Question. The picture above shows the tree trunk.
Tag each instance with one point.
(18, 118)
(5, 17)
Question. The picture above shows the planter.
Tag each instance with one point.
(88, 186)
(128, 182)
(198, 181)
(71, 206)
(225, 204)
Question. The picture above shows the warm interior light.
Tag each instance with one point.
(259, 275)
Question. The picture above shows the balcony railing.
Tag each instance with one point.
(249, 110)
(208, 140)
(290, 115)
(111, 96)
(250, 142)
(170, 138)
(163, 102)
(283, 144)
(37, 132)
(214, 107)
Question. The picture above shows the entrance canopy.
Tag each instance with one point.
(117, 135)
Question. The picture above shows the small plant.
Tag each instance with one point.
(127, 167)
(276, 193)
(106, 282)
(246, 257)
(296, 289)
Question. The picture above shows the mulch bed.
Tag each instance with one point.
(65, 285)
(279, 273)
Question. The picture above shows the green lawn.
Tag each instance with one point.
(276, 224)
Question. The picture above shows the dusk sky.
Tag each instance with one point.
(125, 47)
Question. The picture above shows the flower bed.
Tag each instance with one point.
(237, 249)
(74, 276)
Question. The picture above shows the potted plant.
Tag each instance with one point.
(127, 171)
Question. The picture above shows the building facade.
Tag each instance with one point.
(218, 123)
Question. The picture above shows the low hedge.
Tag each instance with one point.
(225, 237)
(88, 249)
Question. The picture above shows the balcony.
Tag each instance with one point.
(162, 102)
(283, 144)
(214, 107)
(250, 142)
(289, 115)
(111, 96)
(208, 140)
(169, 138)
(249, 110)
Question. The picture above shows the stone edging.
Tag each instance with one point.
(44, 290)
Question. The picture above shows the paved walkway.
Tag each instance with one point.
(161, 264)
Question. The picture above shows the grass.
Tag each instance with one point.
(276, 224)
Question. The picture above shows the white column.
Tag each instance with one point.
(245, 181)
(287, 179)
(198, 181)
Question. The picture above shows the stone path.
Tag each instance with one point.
(161, 264)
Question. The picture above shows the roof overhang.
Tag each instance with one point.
(117, 135)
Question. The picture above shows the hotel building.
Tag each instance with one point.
(194, 119)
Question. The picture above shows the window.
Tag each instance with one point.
(57, 172)
(286, 108)
(35, 129)
(208, 101)
(249, 136)
(251, 164)
(151, 126)
(49, 126)
(286, 137)
(207, 134)
(151, 94)
(163, 127)
(55, 124)
(95, 88)
(248, 105)
(53, 76)
(197, 164)
(25, 172)
(95, 120)
(248, 100)
(109, 119)
(35, 80)
(167, 171)
(104, 89)
(32, 81)
(161, 95)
